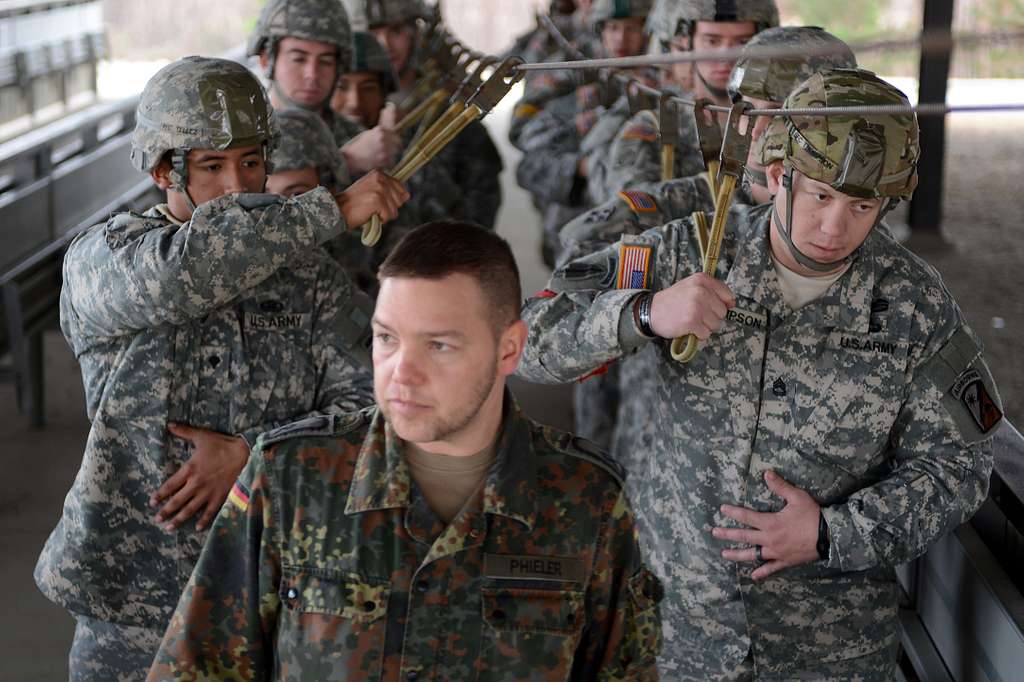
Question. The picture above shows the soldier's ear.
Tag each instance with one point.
(264, 61)
(510, 347)
(162, 174)
(773, 172)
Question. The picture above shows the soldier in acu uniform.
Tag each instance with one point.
(836, 423)
(442, 535)
(198, 325)
(304, 46)
(361, 97)
(634, 155)
(473, 162)
(765, 83)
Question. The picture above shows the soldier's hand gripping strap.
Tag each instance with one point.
(735, 148)
(486, 97)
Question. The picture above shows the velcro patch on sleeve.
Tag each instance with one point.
(634, 266)
(640, 202)
(968, 391)
(239, 496)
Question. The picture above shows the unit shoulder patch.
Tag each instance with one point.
(968, 391)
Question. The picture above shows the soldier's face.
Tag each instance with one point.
(305, 70)
(827, 225)
(359, 98)
(623, 37)
(214, 173)
(293, 182)
(438, 363)
(719, 35)
(399, 40)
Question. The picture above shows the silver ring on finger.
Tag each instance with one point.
(757, 554)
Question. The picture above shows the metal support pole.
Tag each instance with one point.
(926, 207)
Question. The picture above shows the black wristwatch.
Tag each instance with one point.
(823, 542)
(642, 314)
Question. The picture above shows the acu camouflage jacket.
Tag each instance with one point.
(875, 399)
(235, 322)
(327, 564)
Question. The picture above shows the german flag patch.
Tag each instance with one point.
(239, 496)
(634, 266)
(640, 202)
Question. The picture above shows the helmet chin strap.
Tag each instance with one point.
(179, 176)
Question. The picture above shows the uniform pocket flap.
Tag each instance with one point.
(524, 610)
(349, 595)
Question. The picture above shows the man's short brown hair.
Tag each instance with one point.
(447, 247)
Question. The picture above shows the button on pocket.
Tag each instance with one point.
(523, 626)
(332, 615)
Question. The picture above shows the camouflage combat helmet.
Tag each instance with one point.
(369, 55)
(773, 78)
(868, 156)
(603, 10)
(369, 14)
(324, 21)
(199, 103)
(306, 141)
(680, 17)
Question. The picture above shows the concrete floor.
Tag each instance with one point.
(41, 463)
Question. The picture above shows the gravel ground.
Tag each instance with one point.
(983, 241)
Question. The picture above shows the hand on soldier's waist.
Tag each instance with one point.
(203, 482)
(779, 539)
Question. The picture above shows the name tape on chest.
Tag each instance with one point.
(282, 321)
(634, 266)
(747, 318)
(511, 567)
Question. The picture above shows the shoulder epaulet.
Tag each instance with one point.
(321, 425)
(581, 448)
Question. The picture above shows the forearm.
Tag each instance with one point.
(231, 244)
(574, 333)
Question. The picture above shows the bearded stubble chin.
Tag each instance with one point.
(443, 426)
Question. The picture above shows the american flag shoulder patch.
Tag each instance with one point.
(640, 131)
(640, 202)
(634, 266)
(239, 496)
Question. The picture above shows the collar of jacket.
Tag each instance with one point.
(846, 305)
(382, 481)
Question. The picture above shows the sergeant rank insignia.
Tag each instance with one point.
(634, 266)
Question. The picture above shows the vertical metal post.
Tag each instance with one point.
(926, 207)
